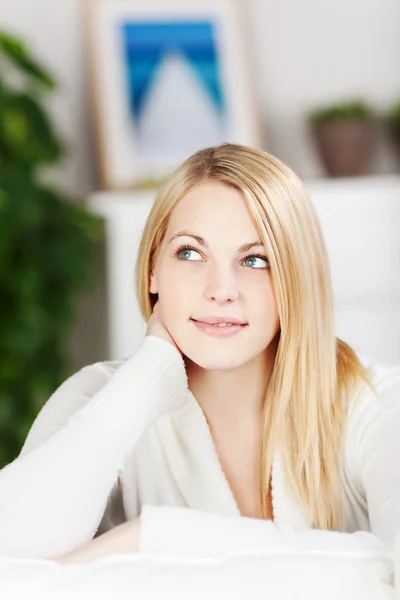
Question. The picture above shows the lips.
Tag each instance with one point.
(214, 320)
(218, 331)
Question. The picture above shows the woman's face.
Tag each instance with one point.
(210, 277)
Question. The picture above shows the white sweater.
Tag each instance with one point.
(123, 438)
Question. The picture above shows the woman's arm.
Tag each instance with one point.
(52, 497)
(181, 532)
(123, 539)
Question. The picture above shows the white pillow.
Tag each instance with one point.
(273, 575)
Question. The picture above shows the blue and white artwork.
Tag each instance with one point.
(173, 81)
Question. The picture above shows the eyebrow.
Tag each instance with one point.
(202, 242)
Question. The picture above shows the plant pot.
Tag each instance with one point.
(345, 147)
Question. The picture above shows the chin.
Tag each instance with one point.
(215, 360)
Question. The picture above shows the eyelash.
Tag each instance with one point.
(189, 247)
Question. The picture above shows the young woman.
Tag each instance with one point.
(240, 401)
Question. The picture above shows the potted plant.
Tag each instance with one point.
(46, 243)
(345, 135)
(393, 122)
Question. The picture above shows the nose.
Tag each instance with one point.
(221, 286)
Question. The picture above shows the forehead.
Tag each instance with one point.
(210, 206)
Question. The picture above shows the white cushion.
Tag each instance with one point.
(275, 575)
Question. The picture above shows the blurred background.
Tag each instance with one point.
(325, 83)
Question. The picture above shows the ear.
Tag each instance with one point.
(153, 284)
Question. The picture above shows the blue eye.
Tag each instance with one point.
(188, 249)
(258, 256)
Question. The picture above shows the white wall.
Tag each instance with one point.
(311, 51)
(304, 51)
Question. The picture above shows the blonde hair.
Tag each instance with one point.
(314, 373)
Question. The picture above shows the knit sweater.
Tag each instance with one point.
(123, 438)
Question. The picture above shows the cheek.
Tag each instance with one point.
(178, 283)
(173, 295)
(265, 305)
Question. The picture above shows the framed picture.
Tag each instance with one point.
(168, 77)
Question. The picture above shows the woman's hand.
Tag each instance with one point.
(123, 539)
(155, 326)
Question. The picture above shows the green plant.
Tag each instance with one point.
(352, 110)
(393, 117)
(46, 243)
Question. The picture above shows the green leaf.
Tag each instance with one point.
(26, 133)
(16, 51)
(46, 257)
(46, 253)
(351, 110)
(393, 117)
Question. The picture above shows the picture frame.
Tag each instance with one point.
(167, 78)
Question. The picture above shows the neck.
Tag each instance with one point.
(232, 398)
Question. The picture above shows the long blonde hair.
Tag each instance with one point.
(314, 373)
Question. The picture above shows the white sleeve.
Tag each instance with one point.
(53, 496)
(187, 533)
(379, 462)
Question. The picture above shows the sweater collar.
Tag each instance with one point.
(197, 471)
